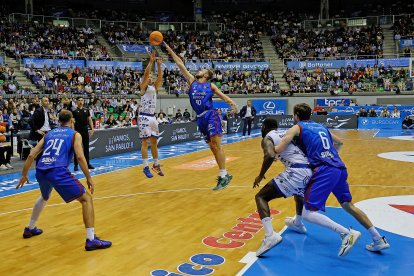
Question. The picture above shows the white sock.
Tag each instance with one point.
(156, 162)
(223, 173)
(145, 162)
(90, 233)
(374, 233)
(298, 220)
(267, 224)
(37, 209)
(324, 221)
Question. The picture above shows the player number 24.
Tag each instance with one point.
(325, 140)
(54, 144)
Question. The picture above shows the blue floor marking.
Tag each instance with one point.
(394, 132)
(316, 253)
(112, 163)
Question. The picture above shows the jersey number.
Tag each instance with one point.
(325, 140)
(198, 102)
(54, 144)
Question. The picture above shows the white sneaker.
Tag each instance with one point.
(268, 243)
(378, 245)
(348, 241)
(290, 223)
(3, 168)
(9, 166)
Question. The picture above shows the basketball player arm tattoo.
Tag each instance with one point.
(32, 156)
(82, 161)
(222, 96)
(336, 141)
(145, 78)
(158, 82)
(289, 136)
(268, 158)
(187, 75)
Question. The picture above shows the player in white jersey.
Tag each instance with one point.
(291, 182)
(147, 123)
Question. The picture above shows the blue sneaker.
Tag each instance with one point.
(28, 233)
(147, 172)
(97, 244)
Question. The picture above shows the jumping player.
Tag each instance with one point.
(329, 176)
(147, 123)
(209, 122)
(52, 171)
(291, 182)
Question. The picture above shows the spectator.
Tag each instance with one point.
(111, 122)
(178, 116)
(407, 123)
(187, 115)
(372, 113)
(162, 119)
(385, 113)
(363, 112)
(395, 113)
(6, 152)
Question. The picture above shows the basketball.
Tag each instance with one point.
(156, 38)
(2, 138)
(2, 129)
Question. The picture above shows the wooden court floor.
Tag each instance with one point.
(161, 222)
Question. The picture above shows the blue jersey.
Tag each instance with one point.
(201, 97)
(316, 142)
(58, 149)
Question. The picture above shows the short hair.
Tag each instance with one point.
(79, 98)
(210, 74)
(270, 123)
(65, 116)
(303, 111)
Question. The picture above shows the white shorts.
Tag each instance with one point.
(148, 126)
(292, 181)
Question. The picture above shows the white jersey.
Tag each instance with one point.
(292, 154)
(149, 100)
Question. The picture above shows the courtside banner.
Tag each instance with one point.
(332, 101)
(379, 123)
(235, 125)
(270, 107)
(114, 141)
(1, 60)
(135, 48)
(285, 121)
(338, 122)
(177, 133)
(38, 62)
(337, 64)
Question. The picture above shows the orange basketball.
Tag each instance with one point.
(156, 38)
(2, 138)
(2, 129)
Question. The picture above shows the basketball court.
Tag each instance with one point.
(177, 225)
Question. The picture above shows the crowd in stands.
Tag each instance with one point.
(293, 42)
(404, 27)
(35, 39)
(77, 80)
(229, 82)
(350, 79)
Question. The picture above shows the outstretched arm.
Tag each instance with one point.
(180, 64)
(268, 158)
(33, 154)
(336, 141)
(220, 94)
(145, 79)
(290, 134)
(158, 82)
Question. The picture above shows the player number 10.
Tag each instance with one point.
(325, 140)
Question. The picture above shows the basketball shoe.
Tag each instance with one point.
(223, 182)
(157, 169)
(147, 172)
(28, 233)
(378, 245)
(96, 243)
(290, 223)
(268, 243)
(348, 241)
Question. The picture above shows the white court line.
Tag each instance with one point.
(376, 133)
(187, 190)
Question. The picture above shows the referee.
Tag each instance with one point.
(82, 119)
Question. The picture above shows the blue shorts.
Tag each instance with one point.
(326, 180)
(209, 124)
(68, 187)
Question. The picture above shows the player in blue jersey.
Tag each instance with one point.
(52, 171)
(209, 122)
(329, 176)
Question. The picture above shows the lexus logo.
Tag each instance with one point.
(269, 106)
